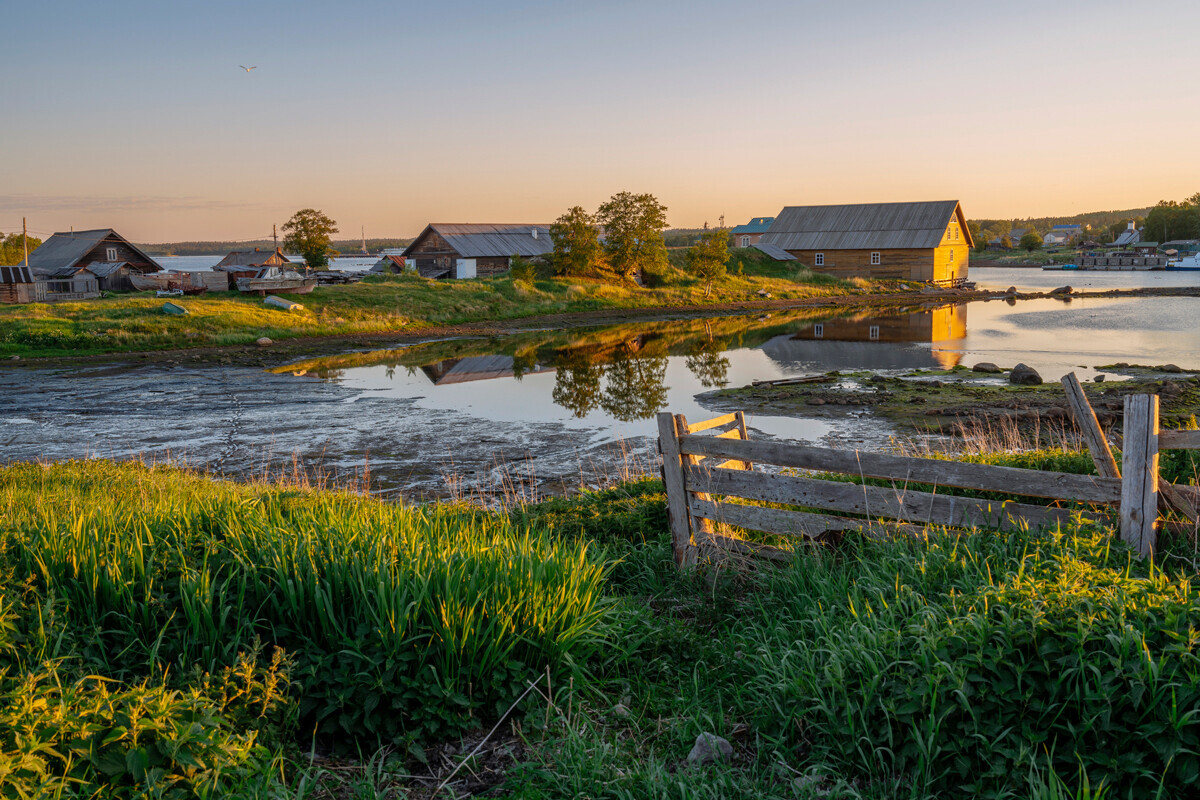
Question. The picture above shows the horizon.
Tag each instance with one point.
(396, 115)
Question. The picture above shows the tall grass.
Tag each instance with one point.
(400, 622)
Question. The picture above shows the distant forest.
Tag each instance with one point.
(1104, 225)
(344, 246)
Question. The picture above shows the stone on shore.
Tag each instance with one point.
(988, 367)
(263, 342)
(708, 748)
(1024, 375)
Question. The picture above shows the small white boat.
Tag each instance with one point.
(1186, 264)
(277, 279)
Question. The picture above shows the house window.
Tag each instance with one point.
(111, 254)
(819, 259)
(951, 256)
(873, 332)
(874, 259)
(745, 241)
(819, 331)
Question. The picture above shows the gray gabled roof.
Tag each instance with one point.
(487, 240)
(777, 253)
(252, 258)
(63, 250)
(861, 227)
(102, 269)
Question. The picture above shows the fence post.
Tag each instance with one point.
(677, 510)
(1093, 435)
(1139, 466)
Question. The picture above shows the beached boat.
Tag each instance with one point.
(1186, 264)
(277, 279)
(185, 282)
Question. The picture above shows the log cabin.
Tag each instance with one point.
(922, 241)
(446, 250)
(107, 257)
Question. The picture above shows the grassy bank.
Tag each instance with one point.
(163, 634)
(378, 304)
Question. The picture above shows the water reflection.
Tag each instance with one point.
(621, 372)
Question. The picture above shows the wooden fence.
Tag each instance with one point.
(710, 480)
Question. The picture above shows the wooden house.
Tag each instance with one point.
(17, 285)
(474, 250)
(749, 234)
(923, 241)
(1062, 234)
(105, 255)
(390, 265)
(254, 259)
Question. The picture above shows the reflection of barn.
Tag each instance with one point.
(476, 368)
(887, 342)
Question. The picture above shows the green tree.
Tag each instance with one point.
(977, 234)
(707, 258)
(308, 233)
(12, 249)
(1171, 220)
(1031, 241)
(577, 248)
(633, 240)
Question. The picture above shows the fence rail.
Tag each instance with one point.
(714, 459)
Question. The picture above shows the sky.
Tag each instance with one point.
(390, 115)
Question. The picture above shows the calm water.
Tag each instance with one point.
(550, 401)
(1037, 278)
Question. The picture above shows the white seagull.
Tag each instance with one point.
(248, 68)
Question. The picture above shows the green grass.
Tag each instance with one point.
(231, 629)
(377, 304)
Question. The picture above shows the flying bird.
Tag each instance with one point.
(248, 68)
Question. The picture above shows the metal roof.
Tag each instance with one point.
(64, 250)
(1075, 227)
(861, 227)
(252, 258)
(102, 269)
(18, 274)
(756, 225)
(1128, 237)
(490, 241)
(777, 253)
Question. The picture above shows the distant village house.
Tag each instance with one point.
(923, 241)
(79, 265)
(1062, 234)
(474, 250)
(749, 234)
(248, 264)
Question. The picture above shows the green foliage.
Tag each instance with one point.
(707, 258)
(1031, 241)
(522, 269)
(577, 248)
(12, 249)
(1174, 220)
(308, 233)
(633, 227)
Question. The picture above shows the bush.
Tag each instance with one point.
(522, 269)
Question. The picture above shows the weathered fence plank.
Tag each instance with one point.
(984, 477)
(715, 422)
(1139, 464)
(1179, 440)
(874, 501)
(677, 511)
(1093, 435)
(784, 522)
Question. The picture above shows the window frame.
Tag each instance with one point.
(819, 330)
(876, 259)
(873, 333)
(110, 254)
(818, 259)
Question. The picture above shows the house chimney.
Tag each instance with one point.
(533, 232)
(1132, 226)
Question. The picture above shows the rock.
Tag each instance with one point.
(988, 367)
(708, 748)
(1170, 368)
(1171, 389)
(763, 293)
(1011, 290)
(1062, 290)
(936, 384)
(816, 401)
(1099, 379)
(1023, 375)
(263, 342)
(620, 710)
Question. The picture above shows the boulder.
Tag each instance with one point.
(1011, 290)
(1062, 290)
(816, 401)
(1099, 379)
(1170, 368)
(1024, 375)
(263, 342)
(988, 367)
(708, 748)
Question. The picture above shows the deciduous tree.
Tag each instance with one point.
(633, 225)
(308, 233)
(707, 258)
(1031, 241)
(12, 249)
(577, 248)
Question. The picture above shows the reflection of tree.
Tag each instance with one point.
(524, 361)
(709, 364)
(634, 387)
(577, 387)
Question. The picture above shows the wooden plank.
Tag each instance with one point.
(784, 522)
(1179, 440)
(748, 548)
(874, 501)
(732, 433)
(984, 477)
(677, 511)
(1139, 465)
(715, 422)
(1093, 435)
(1177, 498)
(701, 528)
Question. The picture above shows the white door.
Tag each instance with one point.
(465, 268)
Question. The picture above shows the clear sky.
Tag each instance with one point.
(389, 115)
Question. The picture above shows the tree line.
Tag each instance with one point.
(12, 248)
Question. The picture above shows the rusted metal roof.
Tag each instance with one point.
(491, 241)
(64, 250)
(861, 227)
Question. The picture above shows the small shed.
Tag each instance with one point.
(254, 259)
(68, 283)
(390, 265)
(17, 285)
(445, 250)
(1146, 248)
(748, 235)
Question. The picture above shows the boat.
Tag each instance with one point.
(185, 282)
(277, 279)
(1186, 264)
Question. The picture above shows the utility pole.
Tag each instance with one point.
(275, 236)
(25, 240)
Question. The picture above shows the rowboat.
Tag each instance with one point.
(277, 279)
